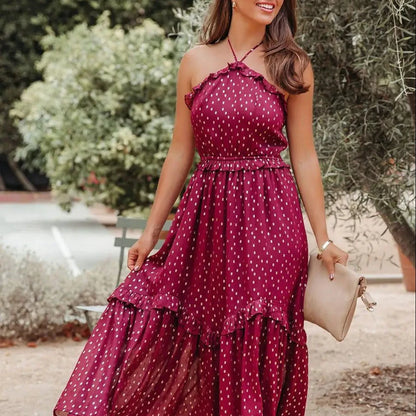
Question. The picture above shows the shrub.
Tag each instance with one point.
(38, 298)
(23, 23)
(100, 123)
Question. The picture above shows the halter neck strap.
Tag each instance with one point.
(244, 57)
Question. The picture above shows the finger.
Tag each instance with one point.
(331, 270)
(131, 260)
(139, 262)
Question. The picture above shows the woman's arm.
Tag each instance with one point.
(174, 170)
(306, 167)
(178, 159)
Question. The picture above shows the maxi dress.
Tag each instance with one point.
(212, 324)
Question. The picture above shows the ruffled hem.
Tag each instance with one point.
(144, 363)
(241, 163)
(209, 337)
(245, 71)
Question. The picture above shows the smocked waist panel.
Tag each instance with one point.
(240, 162)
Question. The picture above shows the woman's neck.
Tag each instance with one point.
(244, 35)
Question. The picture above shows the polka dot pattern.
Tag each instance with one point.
(212, 324)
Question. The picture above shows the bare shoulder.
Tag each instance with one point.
(198, 55)
(201, 60)
(197, 50)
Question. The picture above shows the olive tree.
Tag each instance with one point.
(362, 57)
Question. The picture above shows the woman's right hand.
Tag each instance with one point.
(140, 250)
(331, 255)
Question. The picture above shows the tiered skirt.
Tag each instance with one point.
(212, 324)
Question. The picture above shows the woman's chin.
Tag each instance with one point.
(263, 20)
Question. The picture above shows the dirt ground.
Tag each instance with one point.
(349, 378)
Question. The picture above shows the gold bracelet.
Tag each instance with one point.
(322, 248)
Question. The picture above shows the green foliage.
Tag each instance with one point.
(24, 23)
(162, 12)
(100, 123)
(191, 21)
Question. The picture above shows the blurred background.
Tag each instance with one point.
(86, 115)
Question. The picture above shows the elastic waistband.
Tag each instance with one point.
(241, 162)
(243, 157)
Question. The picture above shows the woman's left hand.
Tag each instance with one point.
(331, 255)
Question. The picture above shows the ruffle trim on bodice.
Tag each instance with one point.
(240, 163)
(208, 336)
(245, 71)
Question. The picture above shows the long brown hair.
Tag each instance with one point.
(281, 51)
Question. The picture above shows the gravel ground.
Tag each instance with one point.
(371, 372)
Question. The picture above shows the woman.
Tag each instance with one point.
(212, 324)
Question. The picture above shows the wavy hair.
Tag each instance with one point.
(281, 51)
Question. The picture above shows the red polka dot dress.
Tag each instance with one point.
(212, 324)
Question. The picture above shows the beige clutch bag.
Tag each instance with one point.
(331, 303)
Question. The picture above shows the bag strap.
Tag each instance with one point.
(365, 296)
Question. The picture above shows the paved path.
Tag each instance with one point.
(75, 240)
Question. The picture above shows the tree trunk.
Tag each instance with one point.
(402, 233)
(2, 184)
(411, 98)
(27, 185)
